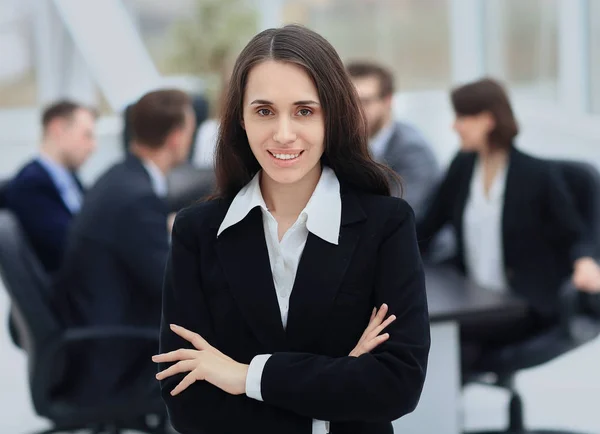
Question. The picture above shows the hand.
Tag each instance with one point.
(206, 363)
(371, 338)
(586, 275)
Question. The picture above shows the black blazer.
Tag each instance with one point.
(223, 289)
(113, 267)
(542, 231)
(37, 203)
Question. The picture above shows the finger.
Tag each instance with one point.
(375, 320)
(188, 380)
(383, 325)
(194, 338)
(375, 342)
(373, 314)
(382, 312)
(177, 368)
(175, 356)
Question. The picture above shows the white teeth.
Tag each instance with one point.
(285, 156)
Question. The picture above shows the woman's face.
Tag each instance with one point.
(474, 130)
(284, 121)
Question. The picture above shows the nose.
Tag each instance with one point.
(284, 133)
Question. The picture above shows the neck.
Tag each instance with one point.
(51, 152)
(159, 157)
(492, 159)
(288, 200)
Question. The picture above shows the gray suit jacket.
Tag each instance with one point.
(411, 157)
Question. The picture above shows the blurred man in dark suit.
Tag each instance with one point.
(114, 262)
(46, 193)
(397, 144)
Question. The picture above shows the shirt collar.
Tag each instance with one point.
(323, 210)
(379, 141)
(157, 178)
(61, 176)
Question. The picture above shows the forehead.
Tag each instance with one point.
(366, 86)
(83, 117)
(279, 82)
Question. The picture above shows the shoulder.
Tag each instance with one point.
(31, 174)
(385, 210)
(201, 216)
(410, 135)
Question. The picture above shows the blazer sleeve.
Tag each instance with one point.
(376, 387)
(567, 219)
(204, 407)
(143, 242)
(439, 210)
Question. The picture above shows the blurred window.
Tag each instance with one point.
(17, 61)
(521, 40)
(594, 26)
(409, 36)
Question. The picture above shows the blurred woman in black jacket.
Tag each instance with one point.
(517, 227)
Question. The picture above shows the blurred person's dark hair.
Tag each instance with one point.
(488, 95)
(346, 139)
(157, 114)
(363, 69)
(63, 109)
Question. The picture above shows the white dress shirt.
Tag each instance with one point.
(157, 178)
(482, 229)
(321, 217)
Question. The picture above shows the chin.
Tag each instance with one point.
(285, 176)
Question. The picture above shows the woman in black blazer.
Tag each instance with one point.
(517, 227)
(267, 342)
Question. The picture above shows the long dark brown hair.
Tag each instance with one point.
(346, 140)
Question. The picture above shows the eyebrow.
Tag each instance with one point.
(266, 102)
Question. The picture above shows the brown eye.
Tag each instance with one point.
(304, 112)
(264, 112)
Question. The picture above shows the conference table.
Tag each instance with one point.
(452, 300)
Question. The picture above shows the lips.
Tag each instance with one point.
(284, 156)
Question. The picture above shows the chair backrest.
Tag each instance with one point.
(28, 287)
(583, 180)
(188, 184)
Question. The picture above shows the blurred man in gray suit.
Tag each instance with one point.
(395, 143)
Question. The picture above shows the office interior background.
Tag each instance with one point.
(108, 52)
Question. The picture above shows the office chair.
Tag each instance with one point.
(579, 315)
(188, 184)
(47, 345)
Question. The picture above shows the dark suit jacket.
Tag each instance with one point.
(223, 289)
(37, 203)
(542, 232)
(409, 155)
(114, 263)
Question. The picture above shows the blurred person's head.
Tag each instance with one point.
(375, 86)
(68, 133)
(162, 127)
(290, 108)
(484, 117)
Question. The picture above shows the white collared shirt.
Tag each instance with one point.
(482, 228)
(321, 217)
(157, 178)
(379, 142)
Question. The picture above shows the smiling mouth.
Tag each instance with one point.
(285, 157)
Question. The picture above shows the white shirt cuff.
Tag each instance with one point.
(255, 370)
(320, 427)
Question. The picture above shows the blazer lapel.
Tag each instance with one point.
(320, 273)
(243, 254)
